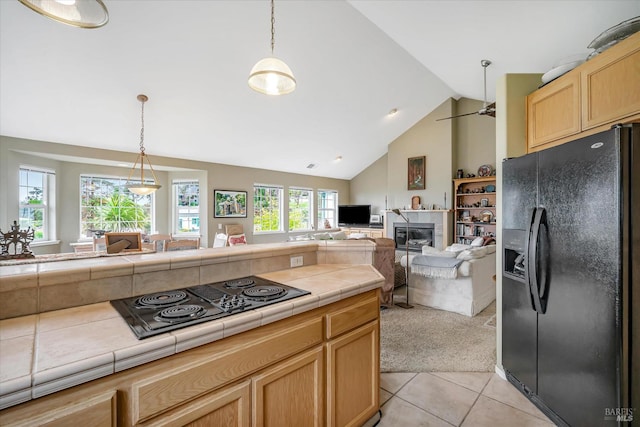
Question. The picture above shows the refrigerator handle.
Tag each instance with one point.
(538, 260)
(527, 256)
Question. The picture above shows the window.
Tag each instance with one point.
(327, 208)
(106, 204)
(300, 209)
(186, 206)
(267, 208)
(36, 192)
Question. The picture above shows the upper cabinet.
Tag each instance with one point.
(590, 98)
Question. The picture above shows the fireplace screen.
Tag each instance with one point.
(420, 234)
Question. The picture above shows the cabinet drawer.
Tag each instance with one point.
(351, 317)
(166, 390)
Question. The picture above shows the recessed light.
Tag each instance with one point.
(338, 159)
(392, 112)
(312, 166)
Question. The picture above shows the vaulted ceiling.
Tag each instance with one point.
(354, 61)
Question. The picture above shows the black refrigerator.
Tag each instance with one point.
(570, 273)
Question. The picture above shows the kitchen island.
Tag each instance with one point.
(313, 360)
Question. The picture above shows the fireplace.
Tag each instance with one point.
(420, 234)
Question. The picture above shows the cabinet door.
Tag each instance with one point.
(553, 112)
(353, 374)
(229, 407)
(290, 394)
(99, 411)
(611, 87)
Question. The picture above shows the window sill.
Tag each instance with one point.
(40, 243)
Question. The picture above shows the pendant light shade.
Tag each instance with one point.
(271, 75)
(77, 13)
(142, 188)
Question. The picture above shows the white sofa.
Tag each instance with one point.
(470, 292)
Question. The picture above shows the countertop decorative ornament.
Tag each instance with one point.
(15, 243)
(485, 170)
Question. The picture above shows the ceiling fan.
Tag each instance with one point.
(486, 110)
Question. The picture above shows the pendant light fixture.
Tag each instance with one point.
(77, 13)
(270, 75)
(142, 188)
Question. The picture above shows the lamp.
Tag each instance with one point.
(406, 267)
(77, 13)
(142, 188)
(270, 75)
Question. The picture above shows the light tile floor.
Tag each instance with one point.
(454, 399)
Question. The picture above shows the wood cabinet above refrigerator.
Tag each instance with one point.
(591, 98)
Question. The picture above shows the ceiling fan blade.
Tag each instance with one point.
(460, 115)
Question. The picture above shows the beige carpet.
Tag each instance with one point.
(424, 339)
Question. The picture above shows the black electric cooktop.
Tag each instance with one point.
(161, 312)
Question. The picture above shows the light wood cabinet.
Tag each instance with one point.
(229, 407)
(352, 376)
(611, 86)
(588, 99)
(291, 393)
(475, 208)
(94, 410)
(553, 112)
(273, 375)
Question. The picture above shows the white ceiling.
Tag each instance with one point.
(353, 60)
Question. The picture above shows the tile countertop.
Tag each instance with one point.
(48, 352)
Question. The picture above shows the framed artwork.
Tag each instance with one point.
(127, 242)
(416, 173)
(229, 204)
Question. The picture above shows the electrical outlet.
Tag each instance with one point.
(219, 226)
(297, 261)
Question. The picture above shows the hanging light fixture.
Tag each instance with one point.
(142, 188)
(77, 13)
(270, 75)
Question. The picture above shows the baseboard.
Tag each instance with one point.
(500, 371)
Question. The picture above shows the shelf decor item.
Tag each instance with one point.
(416, 173)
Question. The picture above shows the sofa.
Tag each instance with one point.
(460, 279)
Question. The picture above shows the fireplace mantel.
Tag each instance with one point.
(440, 218)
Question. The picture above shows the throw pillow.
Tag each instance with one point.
(321, 236)
(237, 239)
(478, 241)
(457, 247)
(472, 253)
(339, 235)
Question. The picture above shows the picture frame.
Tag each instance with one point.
(134, 240)
(229, 204)
(416, 176)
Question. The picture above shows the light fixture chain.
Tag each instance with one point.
(142, 129)
(273, 24)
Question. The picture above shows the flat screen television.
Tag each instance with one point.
(352, 215)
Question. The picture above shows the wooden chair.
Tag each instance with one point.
(159, 241)
(233, 230)
(184, 244)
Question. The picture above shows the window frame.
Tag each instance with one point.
(47, 204)
(176, 208)
(309, 214)
(122, 182)
(320, 209)
(280, 197)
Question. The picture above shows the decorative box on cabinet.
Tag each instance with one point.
(475, 208)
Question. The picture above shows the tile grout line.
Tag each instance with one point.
(475, 401)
